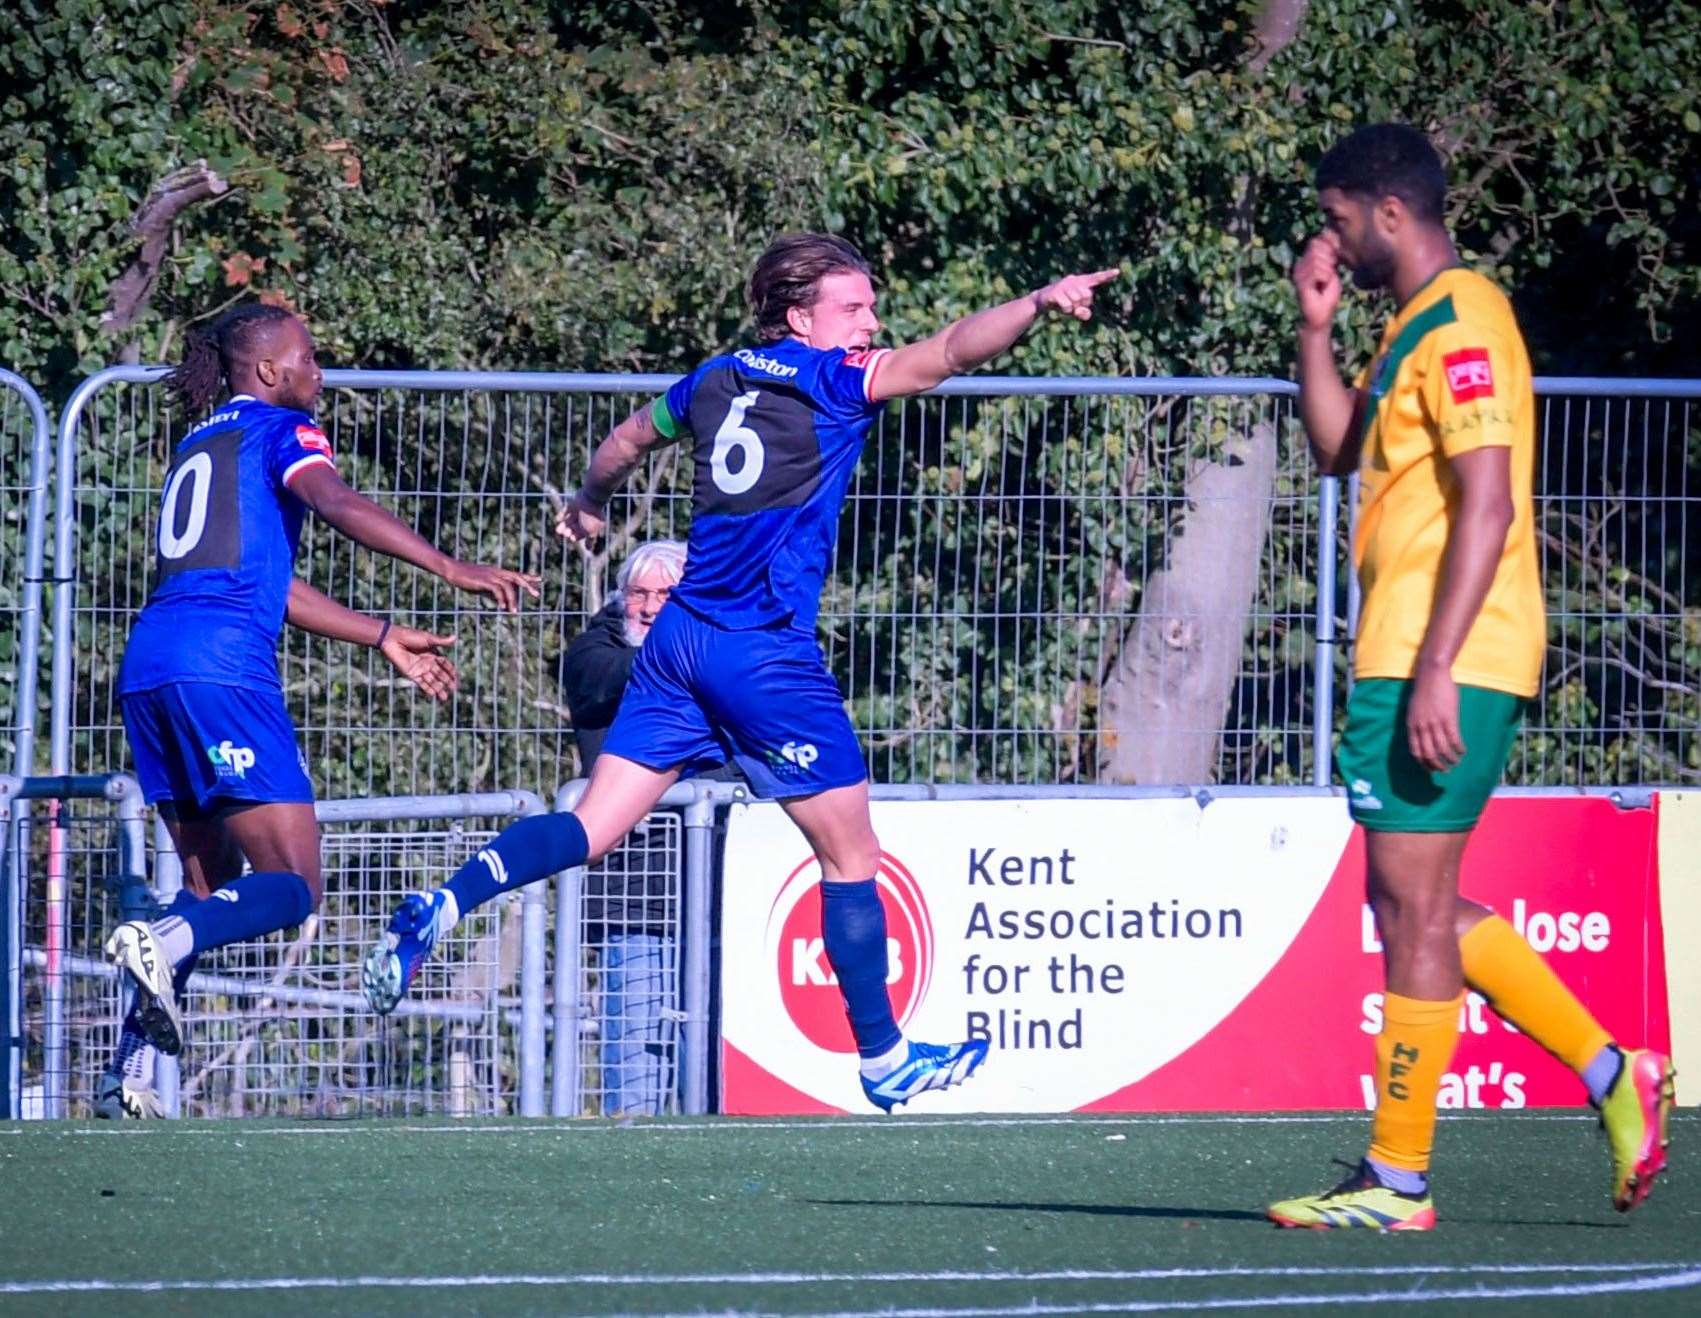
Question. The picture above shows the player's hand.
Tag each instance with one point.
(581, 521)
(1432, 719)
(1072, 295)
(418, 657)
(1317, 280)
(502, 584)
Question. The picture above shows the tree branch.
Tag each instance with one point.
(153, 223)
(1277, 26)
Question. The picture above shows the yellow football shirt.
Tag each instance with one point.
(1451, 375)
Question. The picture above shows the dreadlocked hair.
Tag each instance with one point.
(208, 355)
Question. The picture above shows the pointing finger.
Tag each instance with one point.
(1100, 277)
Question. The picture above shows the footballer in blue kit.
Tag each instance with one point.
(732, 667)
(203, 707)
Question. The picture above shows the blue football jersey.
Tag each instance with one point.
(777, 431)
(225, 549)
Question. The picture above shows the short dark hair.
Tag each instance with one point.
(1387, 160)
(789, 275)
(209, 354)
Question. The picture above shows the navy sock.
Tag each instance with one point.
(259, 904)
(524, 852)
(853, 928)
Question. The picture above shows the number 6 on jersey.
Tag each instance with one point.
(732, 436)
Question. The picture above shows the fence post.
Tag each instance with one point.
(11, 956)
(564, 1048)
(1323, 665)
(35, 555)
(533, 949)
(699, 864)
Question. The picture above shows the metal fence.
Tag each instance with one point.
(629, 964)
(276, 1026)
(1002, 545)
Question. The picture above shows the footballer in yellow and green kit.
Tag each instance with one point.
(1451, 375)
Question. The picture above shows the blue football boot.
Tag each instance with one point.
(390, 965)
(928, 1066)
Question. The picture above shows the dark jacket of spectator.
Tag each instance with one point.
(627, 892)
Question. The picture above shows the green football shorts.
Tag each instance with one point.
(1391, 792)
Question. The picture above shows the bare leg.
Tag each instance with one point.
(1414, 889)
(620, 793)
(208, 854)
(282, 835)
(838, 829)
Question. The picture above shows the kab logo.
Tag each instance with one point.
(808, 987)
(1469, 374)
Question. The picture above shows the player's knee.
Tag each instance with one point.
(851, 859)
(1407, 917)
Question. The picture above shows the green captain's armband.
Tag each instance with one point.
(665, 425)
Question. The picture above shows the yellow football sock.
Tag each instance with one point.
(1412, 1054)
(1522, 987)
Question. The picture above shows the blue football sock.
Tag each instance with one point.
(259, 904)
(524, 852)
(853, 929)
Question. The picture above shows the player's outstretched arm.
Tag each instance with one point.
(361, 520)
(974, 340)
(616, 458)
(1330, 410)
(415, 654)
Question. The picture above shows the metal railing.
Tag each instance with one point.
(630, 970)
(65, 872)
(276, 1026)
(26, 458)
(999, 542)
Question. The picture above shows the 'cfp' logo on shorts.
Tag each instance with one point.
(231, 761)
(802, 754)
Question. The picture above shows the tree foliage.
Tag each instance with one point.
(526, 184)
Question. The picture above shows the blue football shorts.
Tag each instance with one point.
(700, 694)
(201, 745)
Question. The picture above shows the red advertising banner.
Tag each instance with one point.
(1155, 956)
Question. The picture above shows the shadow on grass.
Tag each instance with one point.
(1162, 1212)
(1092, 1210)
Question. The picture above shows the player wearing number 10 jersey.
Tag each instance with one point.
(731, 667)
(203, 707)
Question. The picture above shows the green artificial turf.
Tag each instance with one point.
(946, 1216)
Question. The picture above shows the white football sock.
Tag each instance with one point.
(878, 1068)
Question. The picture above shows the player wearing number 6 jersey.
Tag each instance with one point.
(202, 703)
(731, 666)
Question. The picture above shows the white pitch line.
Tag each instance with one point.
(1671, 1281)
(591, 1126)
(477, 1281)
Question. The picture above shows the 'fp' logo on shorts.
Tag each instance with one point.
(802, 754)
(231, 761)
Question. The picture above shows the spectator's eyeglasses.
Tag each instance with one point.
(641, 595)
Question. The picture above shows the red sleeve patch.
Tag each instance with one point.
(861, 357)
(1469, 374)
(311, 437)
